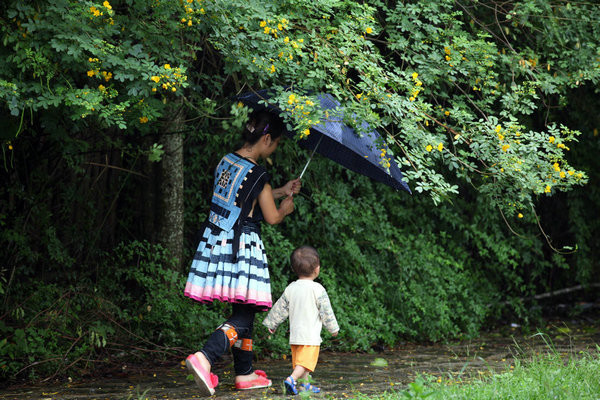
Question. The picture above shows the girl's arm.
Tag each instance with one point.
(292, 186)
(272, 214)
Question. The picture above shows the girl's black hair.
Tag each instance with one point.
(260, 123)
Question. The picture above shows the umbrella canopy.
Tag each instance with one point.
(340, 143)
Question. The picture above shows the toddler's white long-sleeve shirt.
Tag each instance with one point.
(307, 304)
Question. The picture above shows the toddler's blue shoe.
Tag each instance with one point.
(290, 385)
(310, 388)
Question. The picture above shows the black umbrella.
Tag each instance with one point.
(340, 143)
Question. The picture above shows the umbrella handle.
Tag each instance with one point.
(311, 156)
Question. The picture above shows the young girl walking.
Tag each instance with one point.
(230, 264)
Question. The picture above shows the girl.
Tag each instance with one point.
(230, 264)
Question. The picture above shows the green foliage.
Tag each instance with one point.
(134, 298)
(492, 116)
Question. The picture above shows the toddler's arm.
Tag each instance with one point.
(278, 314)
(326, 314)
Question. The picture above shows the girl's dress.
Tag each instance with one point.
(230, 264)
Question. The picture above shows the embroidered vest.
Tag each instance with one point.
(230, 177)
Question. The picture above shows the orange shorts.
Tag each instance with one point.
(306, 356)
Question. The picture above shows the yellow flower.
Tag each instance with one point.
(429, 147)
(505, 147)
(447, 50)
(498, 128)
(500, 136)
(358, 96)
(440, 147)
(309, 103)
(570, 172)
(562, 174)
(415, 75)
(446, 113)
(272, 69)
(547, 189)
(411, 98)
(305, 133)
(369, 30)
(286, 39)
(520, 215)
(267, 30)
(107, 5)
(10, 147)
(143, 120)
(556, 167)
(155, 78)
(263, 24)
(551, 139)
(91, 73)
(291, 98)
(189, 23)
(419, 83)
(561, 146)
(154, 89)
(301, 40)
(167, 66)
(101, 88)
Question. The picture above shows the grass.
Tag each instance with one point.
(544, 377)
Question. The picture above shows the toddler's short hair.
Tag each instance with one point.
(305, 259)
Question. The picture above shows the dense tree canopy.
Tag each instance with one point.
(451, 84)
(107, 107)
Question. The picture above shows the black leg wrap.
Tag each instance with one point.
(216, 345)
(242, 361)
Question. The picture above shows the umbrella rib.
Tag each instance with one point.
(311, 156)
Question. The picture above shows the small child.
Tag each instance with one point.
(308, 307)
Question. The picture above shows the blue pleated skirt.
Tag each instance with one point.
(218, 273)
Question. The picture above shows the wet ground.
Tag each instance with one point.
(342, 375)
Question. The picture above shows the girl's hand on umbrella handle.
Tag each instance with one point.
(296, 185)
(287, 204)
(293, 186)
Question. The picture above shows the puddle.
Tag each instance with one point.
(339, 375)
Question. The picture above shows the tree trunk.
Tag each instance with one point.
(170, 191)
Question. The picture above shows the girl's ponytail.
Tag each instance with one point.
(260, 123)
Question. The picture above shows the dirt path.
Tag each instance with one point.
(340, 375)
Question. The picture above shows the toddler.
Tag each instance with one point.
(307, 305)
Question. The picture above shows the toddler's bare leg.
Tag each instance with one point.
(299, 373)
